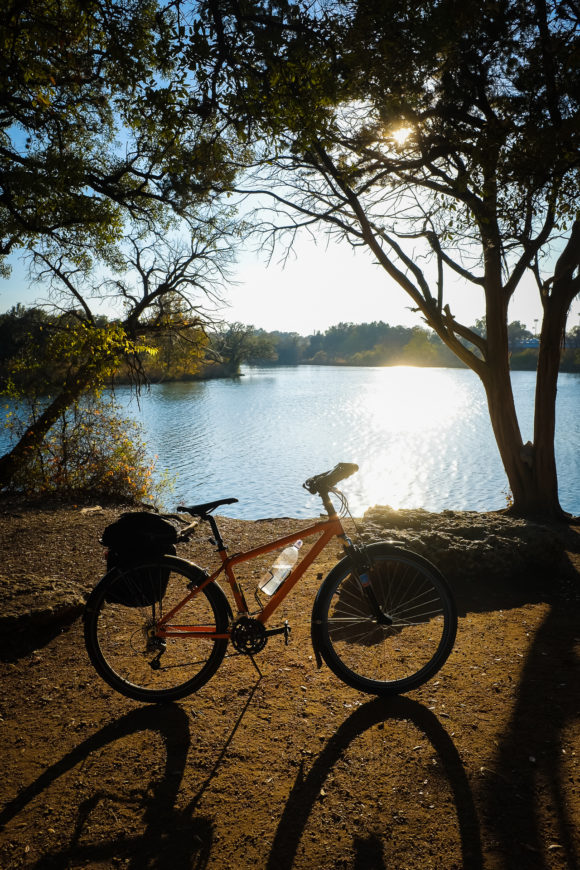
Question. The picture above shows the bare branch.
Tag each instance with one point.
(57, 270)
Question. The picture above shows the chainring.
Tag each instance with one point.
(248, 635)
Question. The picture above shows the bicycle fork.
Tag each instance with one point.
(360, 569)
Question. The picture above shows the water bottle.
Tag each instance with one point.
(275, 576)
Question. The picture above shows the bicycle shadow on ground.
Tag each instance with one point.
(369, 852)
(530, 789)
(172, 838)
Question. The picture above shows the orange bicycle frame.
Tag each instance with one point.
(327, 529)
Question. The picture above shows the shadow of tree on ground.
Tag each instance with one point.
(368, 851)
(528, 788)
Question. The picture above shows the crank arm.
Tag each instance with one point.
(284, 629)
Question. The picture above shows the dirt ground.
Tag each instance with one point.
(480, 768)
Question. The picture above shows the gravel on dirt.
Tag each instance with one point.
(289, 768)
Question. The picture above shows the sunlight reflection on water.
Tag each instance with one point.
(412, 422)
(421, 437)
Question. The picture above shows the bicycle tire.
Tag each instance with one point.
(146, 668)
(385, 659)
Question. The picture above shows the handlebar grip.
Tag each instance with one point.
(323, 482)
(341, 471)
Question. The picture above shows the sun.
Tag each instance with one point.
(401, 134)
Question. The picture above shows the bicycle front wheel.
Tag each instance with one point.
(122, 639)
(403, 646)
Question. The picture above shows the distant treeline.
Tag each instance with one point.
(219, 352)
(362, 344)
(378, 344)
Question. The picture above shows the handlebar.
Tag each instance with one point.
(320, 484)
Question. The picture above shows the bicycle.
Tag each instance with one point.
(384, 619)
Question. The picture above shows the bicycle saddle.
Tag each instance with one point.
(200, 510)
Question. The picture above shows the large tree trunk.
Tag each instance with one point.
(544, 454)
(533, 493)
(531, 497)
(558, 297)
(531, 468)
(73, 389)
(533, 483)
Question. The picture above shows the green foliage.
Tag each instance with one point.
(525, 360)
(89, 448)
(18, 327)
(570, 360)
(289, 347)
(420, 351)
(37, 352)
(174, 356)
(44, 353)
(111, 170)
(236, 343)
(518, 334)
(98, 125)
(92, 450)
(359, 344)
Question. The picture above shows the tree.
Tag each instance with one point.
(93, 449)
(573, 337)
(419, 350)
(111, 164)
(96, 122)
(18, 327)
(235, 343)
(443, 137)
(82, 351)
(518, 335)
(289, 347)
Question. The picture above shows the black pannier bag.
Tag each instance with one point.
(132, 541)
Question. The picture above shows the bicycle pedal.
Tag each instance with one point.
(284, 629)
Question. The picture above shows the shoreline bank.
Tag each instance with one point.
(51, 556)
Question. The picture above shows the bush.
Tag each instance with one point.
(524, 360)
(91, 450)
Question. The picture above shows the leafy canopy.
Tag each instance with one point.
(449, 129)
(99, 124)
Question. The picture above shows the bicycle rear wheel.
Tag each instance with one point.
(419, 630)
(120, 619)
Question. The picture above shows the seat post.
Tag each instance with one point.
(216, 532)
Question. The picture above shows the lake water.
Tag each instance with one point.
(421, 437)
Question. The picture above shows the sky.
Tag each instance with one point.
(322, 285)
(319, 286)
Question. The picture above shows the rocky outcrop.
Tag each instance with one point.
(39, 600)
(470, 543)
